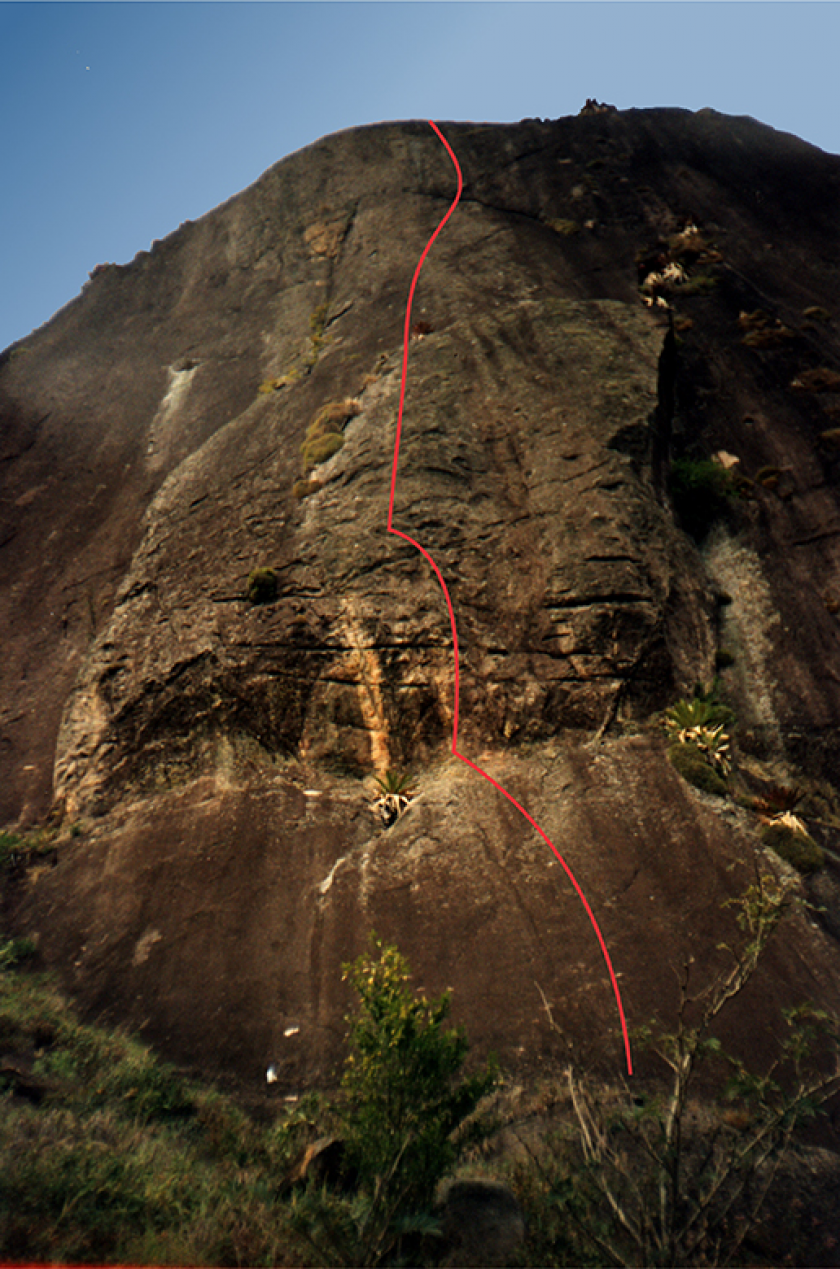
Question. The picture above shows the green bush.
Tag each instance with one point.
(262, 586)
(701, 491)
(402, 1119)
(689, 761)
(799, 849)
(14, 951)
(405, 1094)
(12, 849)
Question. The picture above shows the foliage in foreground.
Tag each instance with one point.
(110, 1155)
(407, 1115)
(640, 1180)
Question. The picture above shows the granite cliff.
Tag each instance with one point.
(615, 293)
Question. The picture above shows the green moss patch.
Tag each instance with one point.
(800, 850)
(262, 586)
(693, 767)
(319, 448)
(303, 488)
(325, 434)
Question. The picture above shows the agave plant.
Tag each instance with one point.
(396, 792)
(777, 801)
(699, 711)
(713, 743)
(393, 782)
(700, 722)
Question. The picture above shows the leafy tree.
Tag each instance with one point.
(406, 1116)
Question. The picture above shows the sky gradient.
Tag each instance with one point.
(123, 119)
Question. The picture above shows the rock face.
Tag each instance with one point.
(213, 751)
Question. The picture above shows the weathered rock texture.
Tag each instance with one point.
(213, 751)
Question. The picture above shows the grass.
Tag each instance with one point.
(22, 848)
(123, 1159)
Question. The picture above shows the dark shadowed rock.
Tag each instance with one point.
(481, 1222)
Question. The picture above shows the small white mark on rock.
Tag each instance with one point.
(271, 1074)
(291, 1031)
(312, 793)
(144, 945)
(328, 880)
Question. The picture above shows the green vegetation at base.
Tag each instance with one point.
(644, 1176)
(407, 1114)
(111, 1156)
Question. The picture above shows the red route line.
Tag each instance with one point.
(398, 533)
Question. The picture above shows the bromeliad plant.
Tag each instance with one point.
(701, 722)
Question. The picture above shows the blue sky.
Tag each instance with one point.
(120, 120)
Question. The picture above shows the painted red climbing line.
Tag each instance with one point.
(398, 533)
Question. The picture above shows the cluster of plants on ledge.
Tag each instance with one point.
(324, 438)
(700, 749)
(700, 746)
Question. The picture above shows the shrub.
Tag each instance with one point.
(12, 849)
(701, 490)
(14, 951)
(405, 1095)
(402, 1119)
(262, 586)
(691, 764)
(319, 448)
(797, 847)
(638, 1179)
